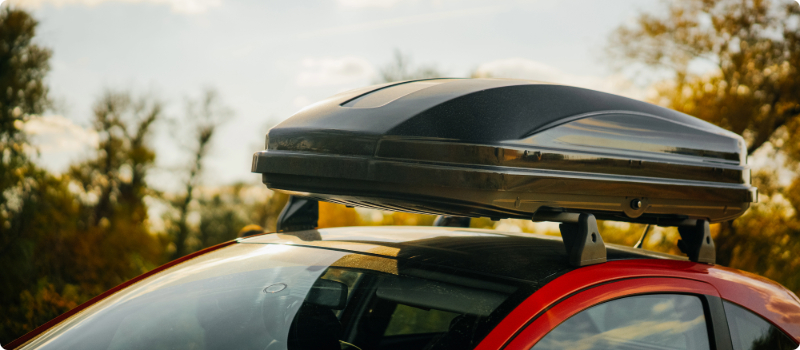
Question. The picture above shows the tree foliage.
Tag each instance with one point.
(112, 188)
(735, 63)
(67, 238)
(82, 233)
(26, 192)
(206, 115)
(23, 66)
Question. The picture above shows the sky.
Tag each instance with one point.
(268, 59)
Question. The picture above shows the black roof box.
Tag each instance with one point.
(508, 149)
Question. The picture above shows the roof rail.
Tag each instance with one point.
(581, 236)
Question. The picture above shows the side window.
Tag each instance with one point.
(411, 320)
(751, 332)
(356, 308)
(659, 321)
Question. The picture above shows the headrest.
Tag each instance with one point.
(327, 293)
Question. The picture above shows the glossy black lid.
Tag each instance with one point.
(475, 110)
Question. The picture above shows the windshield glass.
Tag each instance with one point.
(271, 296)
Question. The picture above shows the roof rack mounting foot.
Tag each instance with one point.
(583, 241)
(696, 242)
(299, 214)
(452, 221)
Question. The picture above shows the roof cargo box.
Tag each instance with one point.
(508, 149)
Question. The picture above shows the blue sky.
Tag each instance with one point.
(270, 58)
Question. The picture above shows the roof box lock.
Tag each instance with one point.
(634, 207)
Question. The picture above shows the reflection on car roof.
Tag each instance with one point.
(532, 257)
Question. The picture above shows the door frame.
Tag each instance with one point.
(564, 286)
(542, 324)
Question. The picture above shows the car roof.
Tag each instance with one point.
(531, 257)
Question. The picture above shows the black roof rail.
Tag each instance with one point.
(581, 236)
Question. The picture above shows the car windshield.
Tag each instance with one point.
(272, 296)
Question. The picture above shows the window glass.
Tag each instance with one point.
(276, 297)
(662, 321)
(751, 332)
(411, 320)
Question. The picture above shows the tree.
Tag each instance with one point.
(752, 51)
(28, 195)
(84, 232)
(114, 242)
(23, 66)
(225, 210)
(38, 262)
(206, 115)
(401, 68)
(67, 238)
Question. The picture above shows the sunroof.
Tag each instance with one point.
(390, 93)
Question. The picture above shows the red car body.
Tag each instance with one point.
(582, 288)
(552, 303)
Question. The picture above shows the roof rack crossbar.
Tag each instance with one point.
(299, 214)
(696, 242)
(583, 242)
(581, 236)
(563, 217)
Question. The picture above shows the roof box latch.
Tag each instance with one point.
(696, 242)
(583, 241)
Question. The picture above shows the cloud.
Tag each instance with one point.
(301, 101)
(334, 71)
(402, 21)
(56, 133)
(521, 68)
(59, 140)
(367, 3)
(179, 6)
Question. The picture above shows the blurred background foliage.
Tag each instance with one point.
(65, 238)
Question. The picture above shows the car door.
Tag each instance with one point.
(637, 313)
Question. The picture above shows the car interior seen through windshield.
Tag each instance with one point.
(283, 297)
